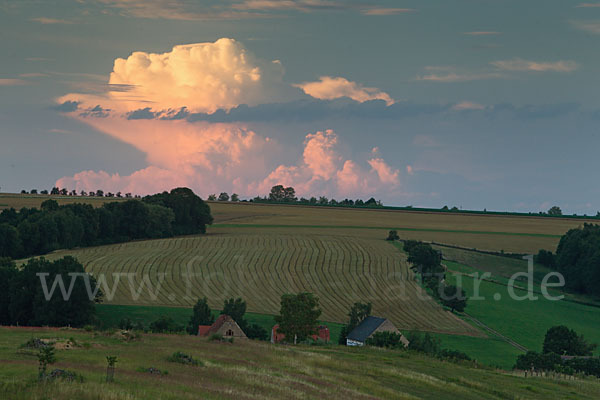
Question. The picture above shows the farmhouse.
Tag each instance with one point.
(322, 334)
(368, 327)
(225, 326)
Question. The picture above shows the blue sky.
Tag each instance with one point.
(474, 103)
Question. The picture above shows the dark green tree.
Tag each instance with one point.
(555, 211)
(236, 309)
(393, 235)
(564, 341)
(223, 197)
(453, 297)
(298, 316)
(201, 315)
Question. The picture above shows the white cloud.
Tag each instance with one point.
(518, 64)
(203, 77)
(329, 88)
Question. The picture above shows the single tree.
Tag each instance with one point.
(235, 308)
(564, 341)
(201, 315)
(110, 368)
(453, 297)
(299, 316)
(46, 356)
(212, 197)
(555, 211)
(235, 197)
(393, 235)
(223, 197)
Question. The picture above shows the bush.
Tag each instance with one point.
(386, 339)
(183, 358)
(165, 324)
(257, 332)
(393, 235)
(545, 258)
(220, 338)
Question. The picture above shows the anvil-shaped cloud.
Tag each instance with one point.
(211, 157)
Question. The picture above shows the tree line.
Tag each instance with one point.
(32, 231)
(427, 263)
(24, 300)
(55, 191)
(577, 258)
(562, 341)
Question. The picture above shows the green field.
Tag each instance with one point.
(255, 370)
(526, 321)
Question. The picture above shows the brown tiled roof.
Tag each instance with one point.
(203, 329)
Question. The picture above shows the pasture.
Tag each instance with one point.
(256, 370)
(518, 234)
(18, 201)
(260, 266)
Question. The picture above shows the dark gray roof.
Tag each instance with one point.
(365, 329)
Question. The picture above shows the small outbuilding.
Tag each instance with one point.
(368, 327)
(322, 334)
(224, 326)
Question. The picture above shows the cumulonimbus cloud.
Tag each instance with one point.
(323, 170)
(329, 88)
(519, 64)
(206, 156)
(203, 77)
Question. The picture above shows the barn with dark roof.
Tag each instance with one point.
(368, 327)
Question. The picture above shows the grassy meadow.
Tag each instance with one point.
(256, 370)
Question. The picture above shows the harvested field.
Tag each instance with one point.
(260, 267)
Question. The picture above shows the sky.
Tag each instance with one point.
(479, 104)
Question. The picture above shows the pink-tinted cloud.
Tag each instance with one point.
(329, 88)
(384, 171)
(211, 157)
(387, 11)
(324, 171)
(12, 82)
(468, 105)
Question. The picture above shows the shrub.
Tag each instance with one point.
(182, 358)
(165, 325)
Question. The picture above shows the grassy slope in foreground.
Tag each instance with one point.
(248, 369)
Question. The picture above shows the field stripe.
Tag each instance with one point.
(403, 229)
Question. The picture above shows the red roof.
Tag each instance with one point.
(322, 333)
(203, 330)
